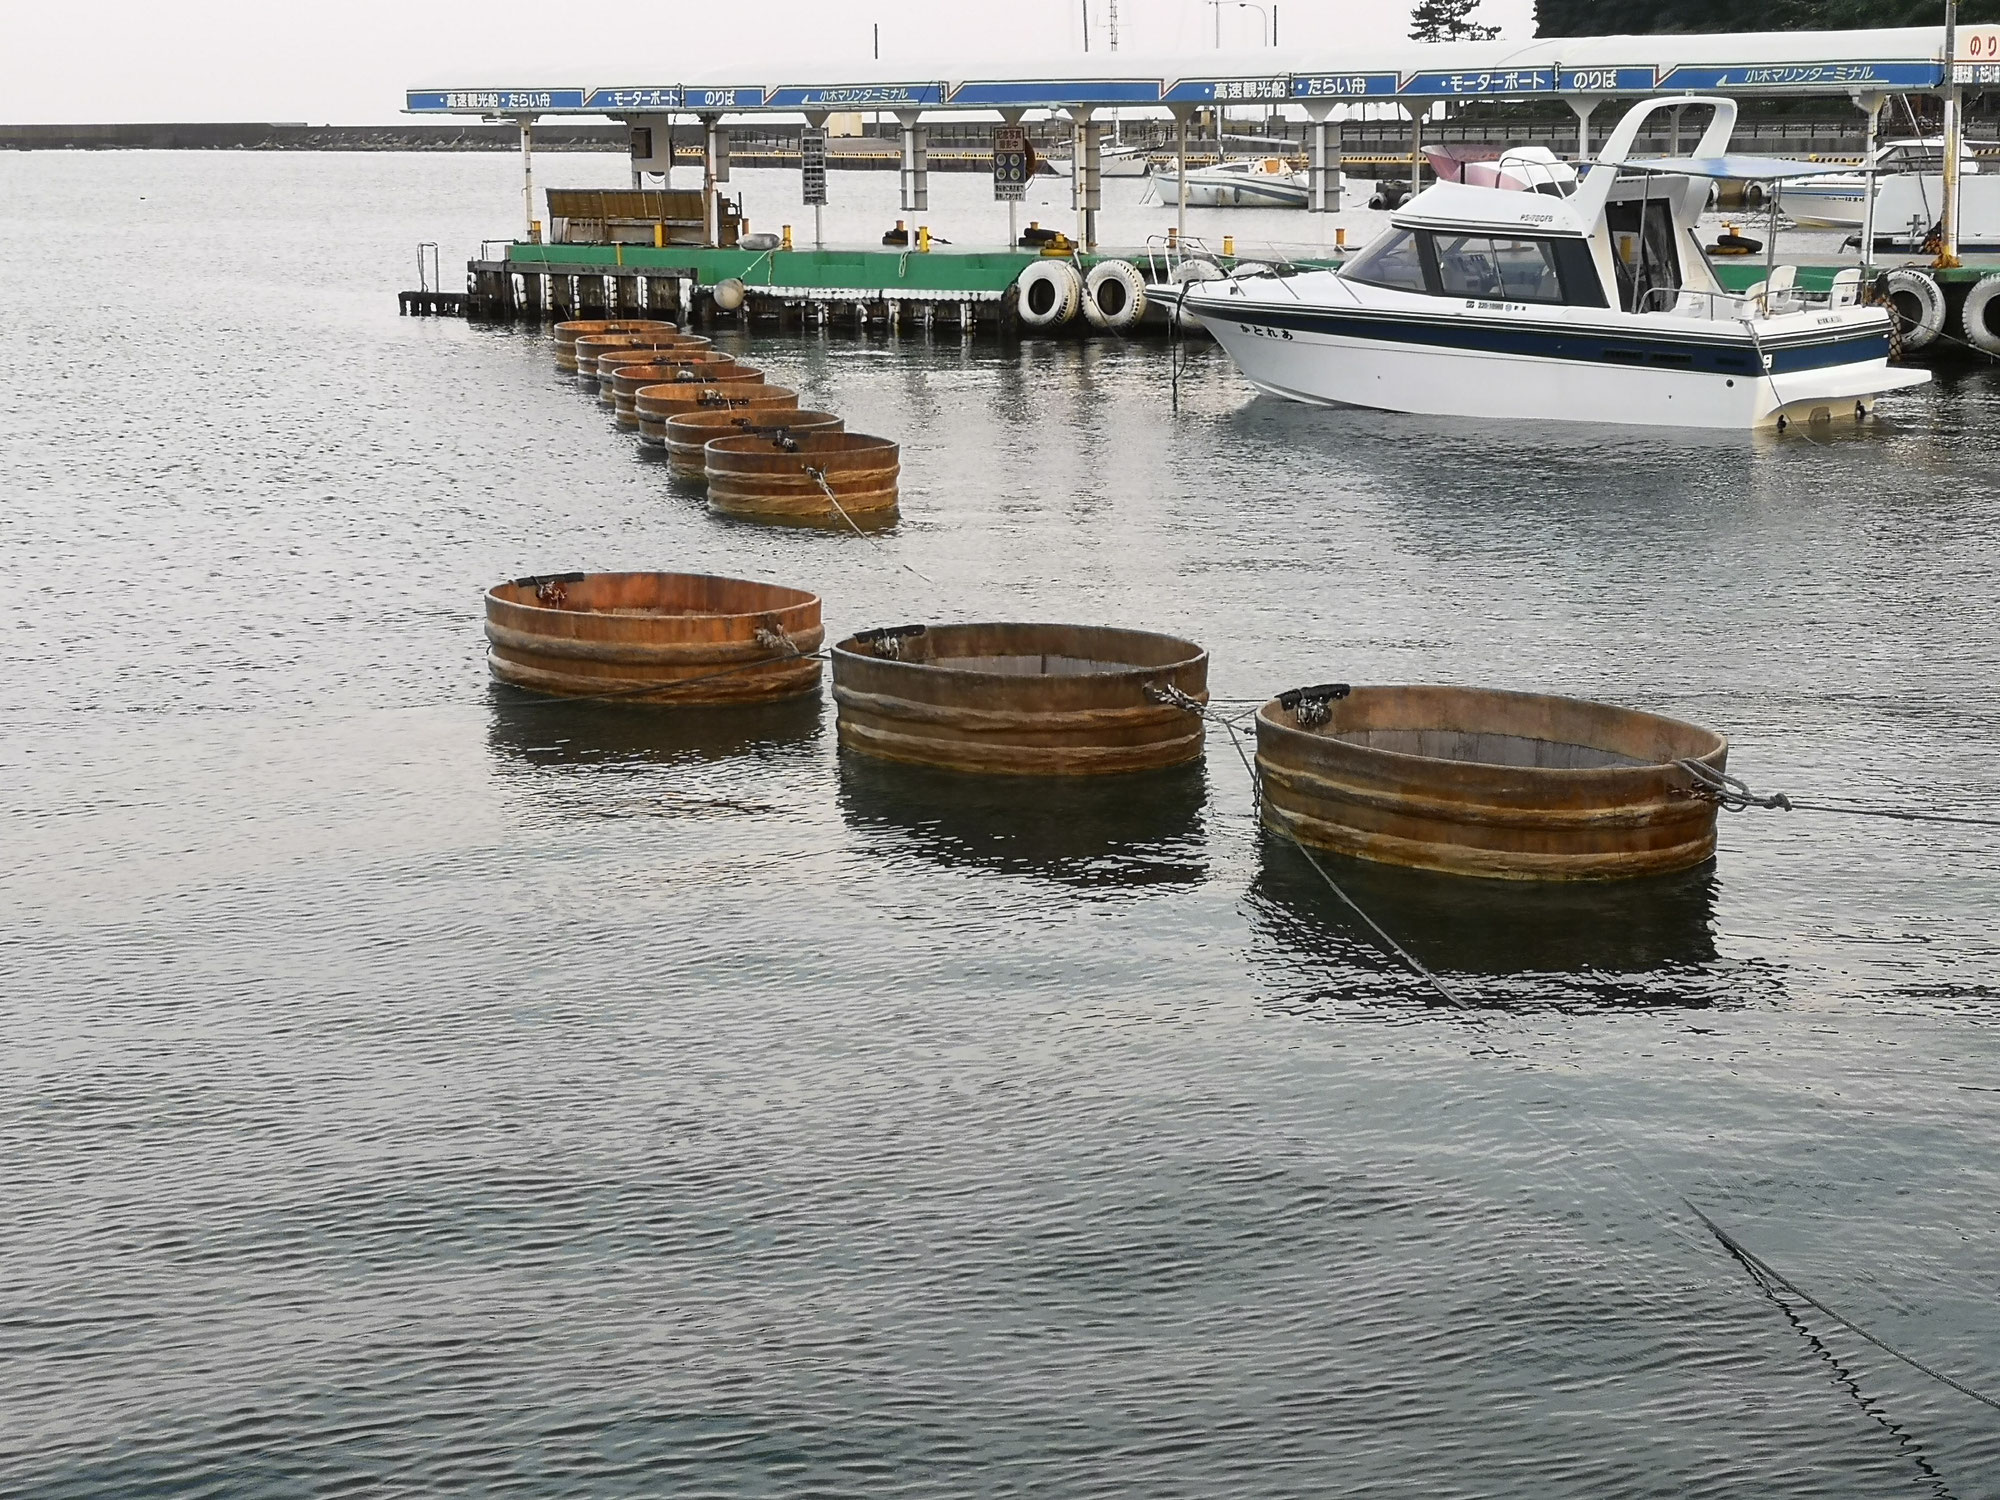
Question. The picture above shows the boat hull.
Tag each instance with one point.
(1472, 365)
(1233, 192)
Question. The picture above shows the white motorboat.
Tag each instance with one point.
(1125, 161)
(1909, 195)
(1249, 182)
(1595, 307)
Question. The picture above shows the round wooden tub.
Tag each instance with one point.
(628, 380)
(640, 636)
(780, 479)
(1512, 786)
(688, 434)
(1023, 700)
(657, 405)
(591, 349)
(611, 361)
(566, 334)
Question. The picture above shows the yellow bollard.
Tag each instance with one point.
(923, 239)
(786, 242)
(659, 236)
(1229, 244)
(1340, 239)
(1173, 237)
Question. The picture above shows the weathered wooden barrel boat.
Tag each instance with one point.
(654, 637)
(628, 380)
(1020, 700)
(590, 350)
(656, 405)
(1512, 786)
(566, 334)
(611, 361)
(689, 434)
(787, 478)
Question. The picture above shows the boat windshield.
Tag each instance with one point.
(1391, 260)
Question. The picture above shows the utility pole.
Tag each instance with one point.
(1086, 25)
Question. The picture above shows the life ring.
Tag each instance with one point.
(1114, 295)
(1048, 292)
(1980, 314)
(1916, 303)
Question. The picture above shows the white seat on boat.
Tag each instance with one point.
(1846, 288)
(1782, 296)
(1751, 303)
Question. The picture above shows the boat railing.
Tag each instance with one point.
(1770, 298)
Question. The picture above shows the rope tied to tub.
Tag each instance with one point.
(1310, 707)
(818, 476)
(1166, 692)
(1732, 794)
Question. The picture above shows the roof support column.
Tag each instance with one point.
(1086, 177)
(916, 168)
(714, 172)
(1953, 132)
(1582, 109)
(1416, 112)
(527, 124)
(1323, 168)
(1182, 113)
(816, 120)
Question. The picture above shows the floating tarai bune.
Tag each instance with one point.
(668, 364)
(813, 476)
(682, 638)
(1021, 700)
(689, 434)
(1513, 786)
(656, 405)
(566, 334)
(591, 350)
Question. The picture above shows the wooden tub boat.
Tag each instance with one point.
(656, 405)
(681, 638)
(1511, 786)
(704, 365)
(769, 478)
(611, 361)
(590, 350)
(1021, 700)
(566, 334)
(689, 434)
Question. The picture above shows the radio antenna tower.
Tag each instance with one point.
(1111, 19)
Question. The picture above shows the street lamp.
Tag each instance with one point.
(1263, 18)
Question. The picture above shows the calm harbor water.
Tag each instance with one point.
(412, 1087)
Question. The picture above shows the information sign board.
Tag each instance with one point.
(812, 166)
(1010, 163)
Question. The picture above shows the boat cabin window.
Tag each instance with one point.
(1512, 270)
(1391, 260)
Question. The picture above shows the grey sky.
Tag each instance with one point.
(349, 63)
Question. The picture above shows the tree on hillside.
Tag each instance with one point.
(1448, 21)
(1621, 17)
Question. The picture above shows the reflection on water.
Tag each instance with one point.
(1515, 944)
(1092, 832)
(527, 729)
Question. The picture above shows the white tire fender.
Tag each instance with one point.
(1916, 302)
(1114, 295)
(1048, 293)
(1980, 314)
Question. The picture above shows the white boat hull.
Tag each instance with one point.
(1237, 191)
(1428, 367)
(1900, 203)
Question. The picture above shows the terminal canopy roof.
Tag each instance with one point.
(1744, 168)
(1771, 63)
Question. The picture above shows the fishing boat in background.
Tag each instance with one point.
(1595, 307)
(1909, 195)
(1249, 182)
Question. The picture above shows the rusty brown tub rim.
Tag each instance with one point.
(848, 650)
(784, 596)
(1705, 745)
(726, 380)
(572, 329)
(761, 417)
(832, 444)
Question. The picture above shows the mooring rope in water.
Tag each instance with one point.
(1168, 693)
(1768, 1274)
(819, 478)
(1733, 794)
